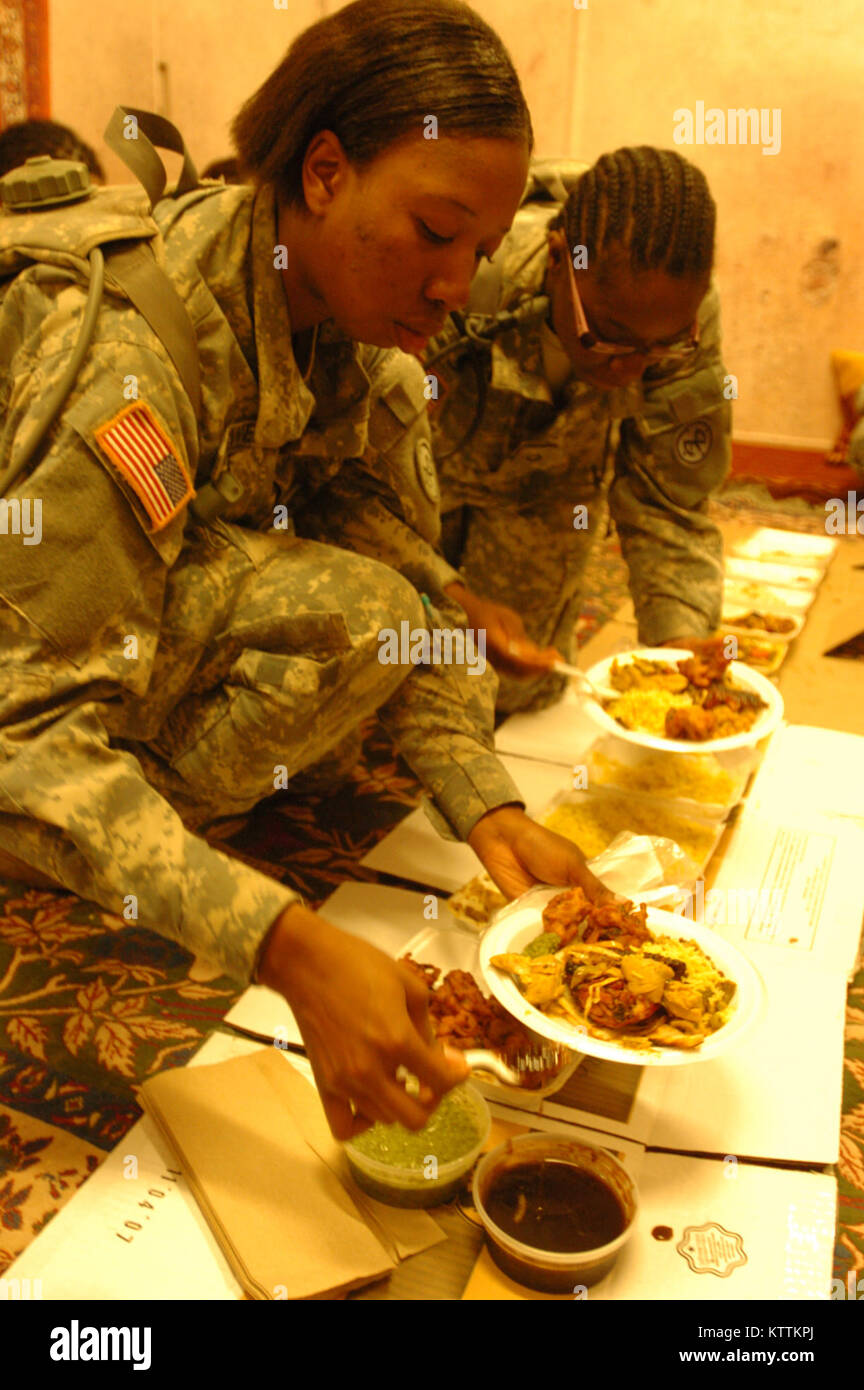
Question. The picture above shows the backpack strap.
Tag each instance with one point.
(133, 135)
(134, 268)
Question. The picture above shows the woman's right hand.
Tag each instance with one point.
(508, 646)
(362, 1016)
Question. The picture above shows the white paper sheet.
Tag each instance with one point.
(93, 1250)
(817, 768)
(561, 734)
(791, 884)
(741, 1231)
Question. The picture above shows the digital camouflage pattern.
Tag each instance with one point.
(153, 678)
(651, 453)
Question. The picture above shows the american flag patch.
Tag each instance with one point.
(136, 443)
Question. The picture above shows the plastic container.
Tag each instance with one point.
(743, 594)
(593, 819)
(433, 1184)
(612, 764)
(765, 654)
(789, 576)
(776, 547)
(731, 611)
(549, 1270)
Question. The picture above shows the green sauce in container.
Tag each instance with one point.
(425, 1167)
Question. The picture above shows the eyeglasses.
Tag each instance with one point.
(680, 348)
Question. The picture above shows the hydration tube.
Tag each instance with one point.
(476, 334)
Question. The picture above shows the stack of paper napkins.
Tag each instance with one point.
(273, 1184)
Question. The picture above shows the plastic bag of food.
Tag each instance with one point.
(646, 869)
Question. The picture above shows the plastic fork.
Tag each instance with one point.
(597, 692)
(534, 1061)
(527, 1064)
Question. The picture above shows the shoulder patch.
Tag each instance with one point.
(693, 442)
(427, 475)
(139, 447)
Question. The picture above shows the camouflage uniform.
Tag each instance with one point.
(157, 670)
(652, 452)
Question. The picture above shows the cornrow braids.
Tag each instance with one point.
(653, 203)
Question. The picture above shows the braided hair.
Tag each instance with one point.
(653, 203)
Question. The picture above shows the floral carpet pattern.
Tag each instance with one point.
(91, 1007)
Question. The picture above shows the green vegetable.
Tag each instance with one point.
(451, 1132)
(545, 945)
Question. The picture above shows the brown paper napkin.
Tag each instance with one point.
(254, 1144)
(402, 1232)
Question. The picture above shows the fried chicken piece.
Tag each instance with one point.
(618, 922)
(463, 1017)
(538, 977)
(616, 1006)
(709, 664)
(565, 913)
(646, 675)
(691, 722)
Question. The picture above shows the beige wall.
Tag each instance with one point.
(785, 305)
(610, 74)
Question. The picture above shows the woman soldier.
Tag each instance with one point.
(623, 370)
(169, 653)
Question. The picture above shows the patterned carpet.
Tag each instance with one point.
(89, 1007)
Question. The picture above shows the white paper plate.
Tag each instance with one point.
(521, 921)
(738, 673)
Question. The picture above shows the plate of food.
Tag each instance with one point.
(683, 702)
(641, 986)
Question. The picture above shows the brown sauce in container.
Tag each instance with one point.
(554, 1206)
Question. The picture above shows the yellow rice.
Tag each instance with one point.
(699, 778)
(594, 822)
(645, 710)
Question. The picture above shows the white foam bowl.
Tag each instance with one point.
(743, 676)
(522, 920)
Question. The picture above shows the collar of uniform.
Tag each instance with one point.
(288, 411)
(517, 357)
(285, 402)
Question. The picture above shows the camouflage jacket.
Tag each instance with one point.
(71, 799)
(660, 446)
